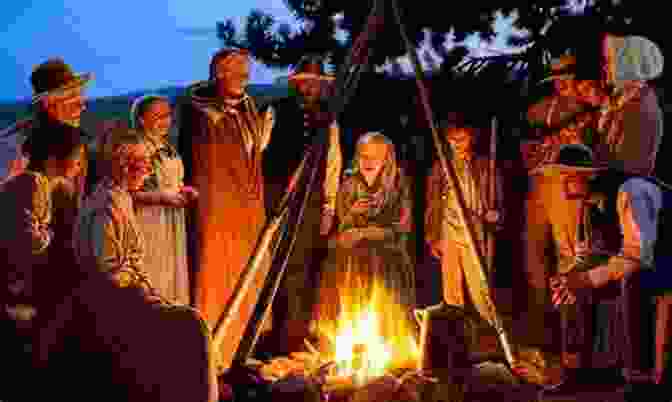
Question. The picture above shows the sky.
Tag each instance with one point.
(128, 45)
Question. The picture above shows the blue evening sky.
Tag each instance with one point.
(129, 45)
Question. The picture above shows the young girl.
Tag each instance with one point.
(368, 254)
(161, 201)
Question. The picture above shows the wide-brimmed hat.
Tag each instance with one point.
(54, 75)
(574, 158)
(562, 68)
(310, 67)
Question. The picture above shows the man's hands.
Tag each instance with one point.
(189, 193)
(327, 221)
(565, 287)
(492, 216)
(361, 205)
(350, 237)
(181, 199)
(435, 248)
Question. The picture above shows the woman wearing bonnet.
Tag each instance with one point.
(160, 202)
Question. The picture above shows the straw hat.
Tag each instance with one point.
(53, 76)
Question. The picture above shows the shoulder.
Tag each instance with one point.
(639, 187)
(29, 181)
(62, 187)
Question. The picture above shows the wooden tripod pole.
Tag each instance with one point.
(449, 170)
(492, 200)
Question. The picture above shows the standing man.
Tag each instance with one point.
(551, 221)
(299, 120)
(223, 136)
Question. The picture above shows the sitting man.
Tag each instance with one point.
(632, 202)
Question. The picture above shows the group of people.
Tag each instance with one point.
(593, 208)
(165, 227)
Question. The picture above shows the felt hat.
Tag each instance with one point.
(55, 75)
(574, 158)
(310, 67)
(562, 68)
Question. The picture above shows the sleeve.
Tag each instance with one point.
(434, 209)
(149, 192)
(639, 205)
(642, 132)
(333, 169)
(344, 202)
(65, 199)
(405, 222)
(34, 197)
(267, 125)
(108, 249)
(638, 214)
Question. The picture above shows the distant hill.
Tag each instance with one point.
(117, 107)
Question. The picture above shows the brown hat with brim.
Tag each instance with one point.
(55, 76)
(564, 68)
(574, 158)
(310, 68)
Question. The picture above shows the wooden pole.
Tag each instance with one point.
(492, 199)
(449, 171)
(346, 83)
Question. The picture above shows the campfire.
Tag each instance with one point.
(368, 341)
(366, 344)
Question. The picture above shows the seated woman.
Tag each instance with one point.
(368, 257)
(112, 331)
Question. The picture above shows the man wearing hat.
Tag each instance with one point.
(631, 203)
(57, 98)
(299, 120)
(551, 221)
(222, 139)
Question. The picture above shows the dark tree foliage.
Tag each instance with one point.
(320, 20)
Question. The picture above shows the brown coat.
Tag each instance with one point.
(226, 154)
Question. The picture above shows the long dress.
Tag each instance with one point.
(224, 147)
(354, 275)
(163, 227)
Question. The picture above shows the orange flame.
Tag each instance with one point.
(368, 340)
